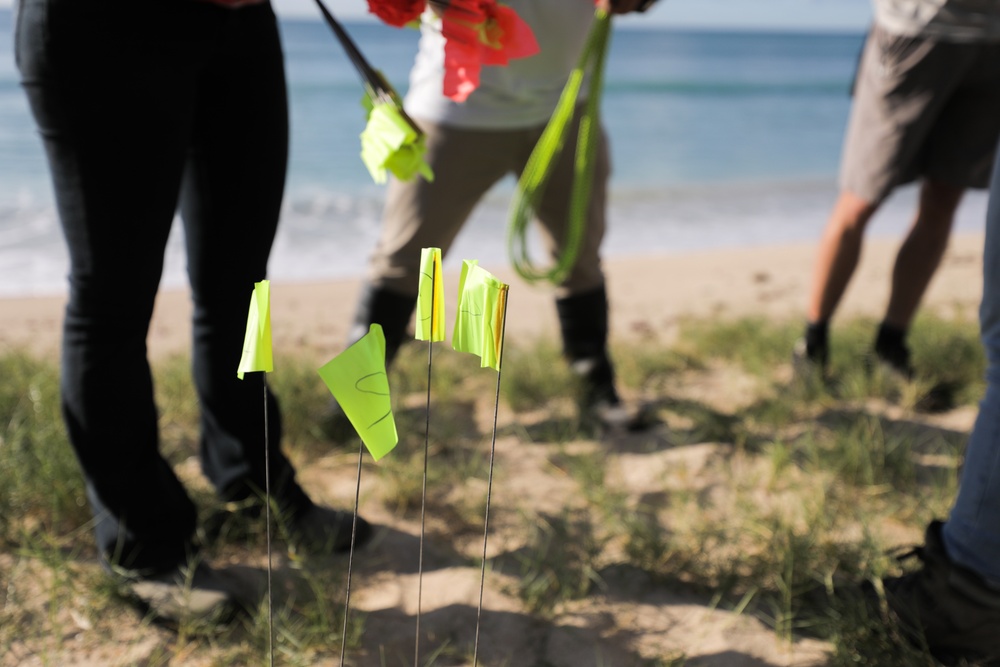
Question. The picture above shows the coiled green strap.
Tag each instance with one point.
(531, 185)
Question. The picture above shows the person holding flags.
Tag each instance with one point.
(143, 106)
(471, 145)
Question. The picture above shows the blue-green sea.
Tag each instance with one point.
(718, 139)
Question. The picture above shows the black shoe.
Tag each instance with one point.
(186, 594)
(890, 351)
(891, 362)
(809, 361)
(583, 324)
(949, 609)
(322, 530)
(605, 415)
(896, 361)
(601, 410)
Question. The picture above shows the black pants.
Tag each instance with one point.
(145, 106)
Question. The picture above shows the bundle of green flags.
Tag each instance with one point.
(391, 141)
(357, 377)
(477, 33)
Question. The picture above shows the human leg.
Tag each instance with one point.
(583, 324)
(838, 255)
(972, 532)
(113, 114)
(952, 602)
(836, 260)
(231, 202)
(902, 87)
(233, 188)
(957, 153)
(554, 210)
(581, 299)
(391, 310)
(420, 214)
(916, 262)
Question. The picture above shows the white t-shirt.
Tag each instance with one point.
(946, 20)
(522, 93)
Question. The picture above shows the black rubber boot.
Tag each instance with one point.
(392, 311)
(817, 338)
(890, 348)
(583, 321)
(811, 353)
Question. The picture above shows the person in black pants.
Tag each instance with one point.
(144, 107)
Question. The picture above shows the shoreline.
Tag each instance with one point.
(649, 296)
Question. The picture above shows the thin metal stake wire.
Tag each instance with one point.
(368, 74)
(423, 509)
(350, 557)
(489, 486)
(423, 493)
(267, 523)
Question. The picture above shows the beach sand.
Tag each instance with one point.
(627, 621)
(648, 296)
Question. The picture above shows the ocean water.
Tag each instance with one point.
(719, 139)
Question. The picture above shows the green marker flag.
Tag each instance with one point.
(257, 344)
(482, 306)
(531, 185)
(357, 379)
(390, 142)
(430, 299)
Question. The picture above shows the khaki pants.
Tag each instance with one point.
(467, 163)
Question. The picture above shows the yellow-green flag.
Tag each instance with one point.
(357, 379)
(479, 323)
(430, 299)
(390, 142)
(257, 344)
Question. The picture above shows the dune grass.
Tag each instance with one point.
(812, 485)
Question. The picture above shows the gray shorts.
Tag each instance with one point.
(922, 109)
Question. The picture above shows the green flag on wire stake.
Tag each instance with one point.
(357, 379)
(257, 355)
(482, 307)
(430, 297)
(531, 185)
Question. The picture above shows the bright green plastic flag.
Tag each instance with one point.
(357, 379)
(482, 306)
(257, 344)
(391, 143)
(430, 299)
